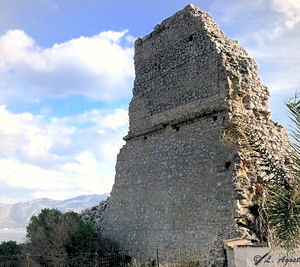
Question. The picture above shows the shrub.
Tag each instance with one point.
(9, 248)
(55, 236)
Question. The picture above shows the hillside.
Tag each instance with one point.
(16, 216)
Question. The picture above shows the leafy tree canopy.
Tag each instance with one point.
(56, 235)
(9, 248)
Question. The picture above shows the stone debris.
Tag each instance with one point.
(96, 214)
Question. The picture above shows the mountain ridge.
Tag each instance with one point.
(17, 215)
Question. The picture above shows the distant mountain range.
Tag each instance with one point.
(16, 216)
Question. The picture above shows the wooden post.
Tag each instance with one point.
(96, 260)
(27, 259)
(157, 258)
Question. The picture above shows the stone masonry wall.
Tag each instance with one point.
(178, 186)
(176, 73)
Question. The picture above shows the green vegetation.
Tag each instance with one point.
(60, 233)
(83, 240)
(9, 248)
(193, 264)
(276, 203)
(282, 205)
(61, 239)
(282, 209)
(55, 236)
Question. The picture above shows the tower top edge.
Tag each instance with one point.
(189, 10)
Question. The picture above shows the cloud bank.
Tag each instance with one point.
(60, 157)
(99, 67)
(64, 157)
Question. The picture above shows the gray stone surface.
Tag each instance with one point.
(95, 213)
(178, 186)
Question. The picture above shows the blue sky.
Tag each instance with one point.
(66, 75)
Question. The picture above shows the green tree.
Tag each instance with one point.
(9, 248)
(54, 235)
(42, 226)
(83, 241)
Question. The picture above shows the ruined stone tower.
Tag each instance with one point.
(178, 186)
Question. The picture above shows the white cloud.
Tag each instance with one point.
(114, 120)
(69, 155)
(63, 157)
(277, 17)
(26, 137)
(288, 18)
(99, 67)
(290, 9)
(270, 31)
